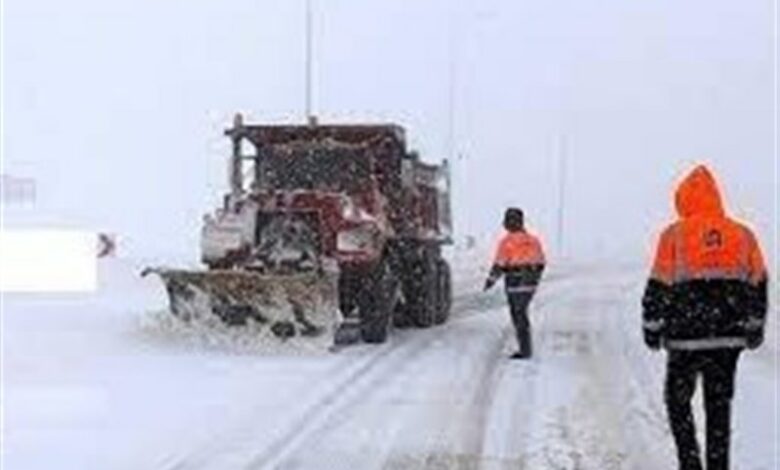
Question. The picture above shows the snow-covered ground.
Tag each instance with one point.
(90, 382)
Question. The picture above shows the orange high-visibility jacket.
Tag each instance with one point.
(704, 243)
(520, 259)
(708, 286)
(518, 249)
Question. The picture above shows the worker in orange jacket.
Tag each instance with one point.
(520, 260)
(705, 302)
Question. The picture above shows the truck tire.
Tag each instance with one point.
(377, 303)
(421, 288)
(349, 292)
(444, 291)
(401, 316)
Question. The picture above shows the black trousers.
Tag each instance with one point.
(717, 369)
(518, 309)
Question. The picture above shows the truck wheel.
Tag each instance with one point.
(421, 290)
(444, 291)
(402, 317)
(377, 304)
(348, 331)
(348, 291)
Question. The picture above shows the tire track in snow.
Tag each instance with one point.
(236, 447)
(466, 434)
(630, 380)
(465, 308)
(496, 367)
(341, 393)
(346, 394)
(487, 375)
(578, 399)
(354, 369)
(420, 340)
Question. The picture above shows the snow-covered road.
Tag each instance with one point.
(87, 386)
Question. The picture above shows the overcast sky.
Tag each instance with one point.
(117, 108)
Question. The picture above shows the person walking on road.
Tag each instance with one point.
(705, 301)
(520, 260)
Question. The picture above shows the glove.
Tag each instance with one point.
(754, 332)
(755, 338)
(489, 282)
(652, 340)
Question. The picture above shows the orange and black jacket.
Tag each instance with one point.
(708, 287)
(520, 259)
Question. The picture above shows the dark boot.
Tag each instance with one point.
(520, 355)
(524, 341)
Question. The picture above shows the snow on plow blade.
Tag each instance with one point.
(287, 309)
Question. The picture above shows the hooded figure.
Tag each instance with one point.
(705, 301)
(520, 259)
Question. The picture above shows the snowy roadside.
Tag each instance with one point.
(86, 382)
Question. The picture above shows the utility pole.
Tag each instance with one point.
(308, 79)
(561, 192)
(455, 158)
(451, 81)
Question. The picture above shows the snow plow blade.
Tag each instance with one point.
(281, 308)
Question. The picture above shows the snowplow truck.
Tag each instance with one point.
(332, 232)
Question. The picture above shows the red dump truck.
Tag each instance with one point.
(327, 231)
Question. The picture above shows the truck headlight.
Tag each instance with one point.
(360, 238)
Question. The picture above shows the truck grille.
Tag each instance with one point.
(287, 242)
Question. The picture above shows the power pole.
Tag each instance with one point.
(451, 84)
(561, 192)
(308, 79)
(455, 158)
